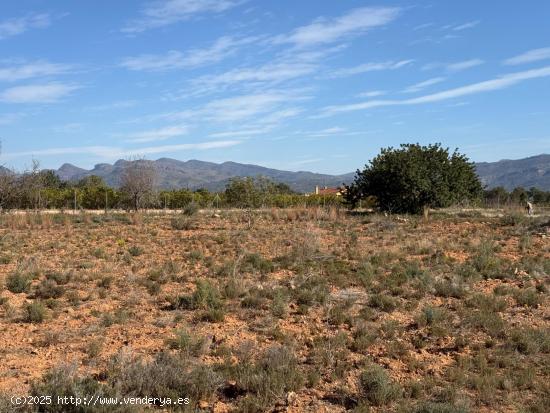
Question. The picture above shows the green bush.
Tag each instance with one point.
(383, 302)
(18, 283)
(186, 343)
(135, 251)
(182, 222)
(34, 312)
(377, 387)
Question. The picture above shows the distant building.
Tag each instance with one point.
(339, 191)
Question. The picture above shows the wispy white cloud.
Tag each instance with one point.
(371, 93)
(39, 93)
(454, 66)
(158, 134)
(112, 152)
(266, 107)
(270, 73)
(335, 130)
(423, 26)
(467, 25)
(324, 31)
(501, 82)
(219, 50)
(163, 13)
(369, 67)
(530, 56)
(237, 133)
(121, 104)
(30, 70)
(422, 85)
(466, 64)
(14, 26)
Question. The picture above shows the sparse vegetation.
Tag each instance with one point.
(314, 310)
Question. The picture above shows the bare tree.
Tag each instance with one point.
(7, 188)
(30, 184)
(7, 185)
(137, 181)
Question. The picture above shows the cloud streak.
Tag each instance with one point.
(112, 152)
(173, 59)
(467, 25)
(38, 93)
(158, 134)
(369, 67)
(167, 12)
(422, 85)
(31, 70)
(325, 31)
(501, 82)
(530, 56)
(15, 26)
(466, 64)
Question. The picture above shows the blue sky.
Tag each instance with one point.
(296, 85)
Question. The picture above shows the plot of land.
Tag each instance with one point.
(279, 310)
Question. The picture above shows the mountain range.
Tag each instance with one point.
(194, 174)
(527, 172)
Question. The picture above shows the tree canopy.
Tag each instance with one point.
(413, 178)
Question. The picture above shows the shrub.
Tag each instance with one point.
(49, 289)
(207, 298)
(35, 312)
(363, 338)
(61, 278)
(383, 302)
(62, 382)
(529, 297)
(274, 374)
(135, 251)
(186, 343)
(182, 222)
(485, 261)
(190, 209)
(486, 303)
(448, 288)
(255, 262)
(377, 387)
(530, 340)
(18, 283)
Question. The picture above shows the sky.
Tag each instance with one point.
(296, 85)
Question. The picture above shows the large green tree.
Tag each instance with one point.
(414, 178)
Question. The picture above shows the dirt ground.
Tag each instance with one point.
(298, 310)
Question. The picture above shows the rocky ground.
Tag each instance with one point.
(298, 310)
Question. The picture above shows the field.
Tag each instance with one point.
(298, 310)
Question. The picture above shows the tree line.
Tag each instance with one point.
(42, 189)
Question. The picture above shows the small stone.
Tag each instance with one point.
(291, 398)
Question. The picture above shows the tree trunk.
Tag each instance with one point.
(426, 211)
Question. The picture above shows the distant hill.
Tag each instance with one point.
(195, 174)
(526, 172)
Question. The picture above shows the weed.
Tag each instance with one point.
(48, 288)
(18, 283)
(377, 387)
(383, 302)
(135, 251)
(186, 343)
(34, 312)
